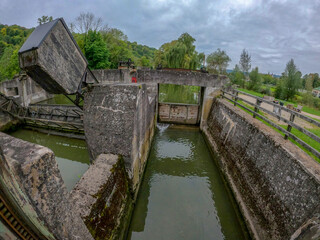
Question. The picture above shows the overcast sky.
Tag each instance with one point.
(272, 31)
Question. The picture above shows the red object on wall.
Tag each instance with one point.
(134, 79)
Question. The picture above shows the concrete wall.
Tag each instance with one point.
(30, 175)
(7, 122)
(103, 199)
(57, 64)
(161, 76)
(24, 90)
(120, 119)
(276, 184)
(179, 113)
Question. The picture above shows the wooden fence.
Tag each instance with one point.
(233, 96)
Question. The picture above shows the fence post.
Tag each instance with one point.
(292, 116)
(236, 98)
(256, 107)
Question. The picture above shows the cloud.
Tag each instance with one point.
(272, 31)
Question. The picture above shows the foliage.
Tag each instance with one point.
(11, 39)
(44, 19)
(268, 79)
(245, 61)
(254, 80)
(96, 51)
(218, 61)
(292, 80)
(279, 91)
(311, 79)
(179, 53)
(236, 76)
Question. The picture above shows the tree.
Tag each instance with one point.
(292, 78)
(279, 91)
(179, 53)
(87, 21)
(254, 80)
(218, 61)
(245, 61)
(96, 51)
(236, 76)
(44, 19)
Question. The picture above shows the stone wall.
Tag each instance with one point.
(30, 174)
(24, 90)
(120, 119)
(276, 184)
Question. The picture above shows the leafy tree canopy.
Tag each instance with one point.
(218, 61)
(179, 53)
(96, 51)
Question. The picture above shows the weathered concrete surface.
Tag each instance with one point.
(57, 64)
(16, 199)
(161, 76)
(179, 113)
(7, 122)
(103, 198)
(37, 178)
(209, 94)
(276, 184)
(24, 90)
(120, 119)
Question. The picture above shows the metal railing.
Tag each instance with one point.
(234, 97)
(61, 118)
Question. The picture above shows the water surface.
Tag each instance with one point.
(71, 154)
(182, 195)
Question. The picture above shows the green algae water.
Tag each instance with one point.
(182, 195)
(71, 154)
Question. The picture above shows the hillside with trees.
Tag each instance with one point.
(11, 39)
(104, 47)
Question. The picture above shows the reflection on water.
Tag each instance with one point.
(59, 99)
(179, 93)
(71, 154)
(182, 195)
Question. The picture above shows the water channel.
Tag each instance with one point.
(71, 154)
(182, 195)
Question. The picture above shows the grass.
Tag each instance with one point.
(311, 111)
(306, 109)
(251, 92)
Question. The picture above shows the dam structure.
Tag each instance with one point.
(122, 163)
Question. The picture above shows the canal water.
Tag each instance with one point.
(182, 195)
(71, 154)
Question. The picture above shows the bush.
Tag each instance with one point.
(266, 91)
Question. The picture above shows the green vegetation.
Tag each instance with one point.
(179, 53)
(254, 80)
(217, 62)
(96, 51)
(11, 39)
(179, 93)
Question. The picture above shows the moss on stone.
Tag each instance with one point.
(113, 199)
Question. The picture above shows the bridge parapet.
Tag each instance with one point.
(149, 76)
